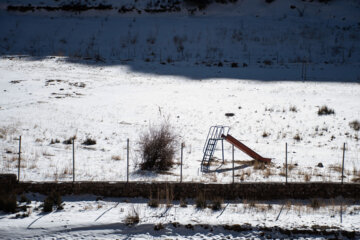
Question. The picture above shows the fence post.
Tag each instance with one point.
(19, 159)
(286, 166)
(73, 148)
(233, 165)
(127, 161)
(342, 168)
(182, 147)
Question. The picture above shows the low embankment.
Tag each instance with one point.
(256, 191)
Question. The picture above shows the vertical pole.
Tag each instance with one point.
(19, 159)
(73, 146)
(286, 166)
(127, 161)
(182, 147)
(222, 147)
(342, 168)
(233, 165)
(341, 212)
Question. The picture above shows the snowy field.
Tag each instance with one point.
(109, 75)
(88, 217)
(49, 99)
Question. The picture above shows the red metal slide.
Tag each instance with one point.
(245, 149)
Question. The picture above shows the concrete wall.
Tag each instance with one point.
(257, 191)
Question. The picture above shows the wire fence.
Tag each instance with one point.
(74, 161)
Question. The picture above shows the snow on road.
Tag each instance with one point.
(86, 217)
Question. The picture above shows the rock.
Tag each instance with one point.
(229, 114)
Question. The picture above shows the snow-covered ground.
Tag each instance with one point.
(51, 98)
(109, 75)
(91, 217)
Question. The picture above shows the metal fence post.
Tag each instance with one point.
(182, 147)
(127, 161)
(286, 166)
(233, 165)
(342, 168)
(73, 148)
(19, 159)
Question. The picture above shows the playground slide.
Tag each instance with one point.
(245, 149)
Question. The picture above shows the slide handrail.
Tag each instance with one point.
(216, 132)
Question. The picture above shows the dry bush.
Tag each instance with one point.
(216, 204)
(201, 201)
(158, 227)
(293, 109)
(53, 141)
(297, 137)
(157, 147)
(132, 218)
(8, 203)
(265, 134)
(89, 142)
(169, 196)
(324, 110)
(154, 203)
(315, 203)
(307, 177)
(355, 125)
(183, 203)
(69, 140)
(53, 199)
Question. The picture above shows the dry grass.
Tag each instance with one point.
(259, 165)
(33, 166)
(324, 110)
(297, 137)
(293, 109)
(315, 203)
(307, 177)
(268, 173)
(200, 201)
(115, 157)
(291, 166)
(336, 167)
(356, 179)
(241, 176)
(132, 218)
(183, 203)
(47, 154)
(282, 173)
(212, 177)
(216, 204)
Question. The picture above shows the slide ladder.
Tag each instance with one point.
(244, 148)
(215, 134)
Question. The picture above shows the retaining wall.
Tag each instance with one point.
(176, 190)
